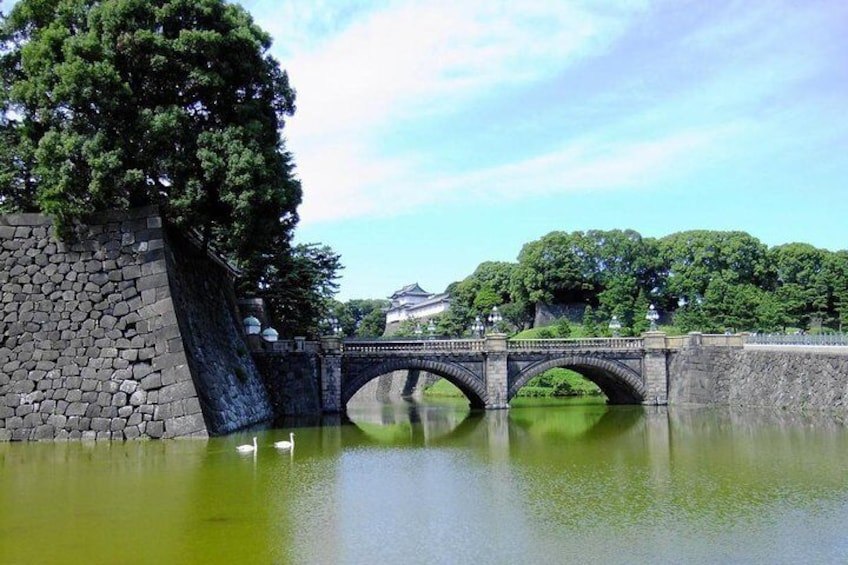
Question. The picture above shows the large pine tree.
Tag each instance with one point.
(117, 103)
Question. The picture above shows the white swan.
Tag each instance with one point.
(247, 448)
(285, 444)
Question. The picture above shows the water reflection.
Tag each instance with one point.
(408, 423)
(424, 484)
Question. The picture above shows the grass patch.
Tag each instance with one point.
(443, 388)
(558, 383)
(552, 383)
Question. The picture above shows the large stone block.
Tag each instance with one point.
(141, 370)
(138, 398)
(178, 391)
(100, 424)
(155, 429)
(151, 381)
(44, 432)
(76, 409)
(185, 426)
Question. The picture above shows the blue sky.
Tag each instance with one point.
(432, 136)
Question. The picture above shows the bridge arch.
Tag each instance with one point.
(620, 383)
(464, 379)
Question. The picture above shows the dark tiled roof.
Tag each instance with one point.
(410, 289)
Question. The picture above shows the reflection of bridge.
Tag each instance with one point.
(490, 371)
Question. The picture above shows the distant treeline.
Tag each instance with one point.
(698, 280)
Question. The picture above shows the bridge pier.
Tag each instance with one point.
(331, 374)
(497, 373)
(655, 368)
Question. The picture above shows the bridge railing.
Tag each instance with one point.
(424, 346)
(576, 343)
(837, 339)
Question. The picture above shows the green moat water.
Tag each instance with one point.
(568, 483)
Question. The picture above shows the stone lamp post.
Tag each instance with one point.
(652, 316)
(495, 319)
(477, 327)
(333, 326)
(615, 326)
(270, 335)
(252, 325)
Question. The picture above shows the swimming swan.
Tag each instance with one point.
(285, 444)
(247, 448)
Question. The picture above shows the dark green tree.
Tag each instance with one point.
(119, 103)
(771, 314)
(553, 269)
(603, 269)
(298, 288)
(590, 325)
(115, 103)
(361, 317)
(730, 306)
(563, 328)
(373, 324)
(488, 286)
(837, 272)
(803, 284)
(692, 259)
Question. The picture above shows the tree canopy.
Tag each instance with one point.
(110, 104)
(699, 280)
(361, 317)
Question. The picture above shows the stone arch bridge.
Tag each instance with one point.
(490, 371)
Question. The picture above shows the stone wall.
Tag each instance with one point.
(547, 314)
(229, 387)
(291, 380)
(91, 345)
(796, 376)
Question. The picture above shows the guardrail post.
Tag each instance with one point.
(695, 339)
(496, 372)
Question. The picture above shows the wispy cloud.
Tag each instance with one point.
(425, 57)
(582, 165)
(401, 62)
(369, 72)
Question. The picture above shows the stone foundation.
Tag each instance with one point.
(796, 377)
(108, 337)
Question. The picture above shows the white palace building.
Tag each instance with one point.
(413, 302)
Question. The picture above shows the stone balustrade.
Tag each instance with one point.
(576, 343)
(415, 346)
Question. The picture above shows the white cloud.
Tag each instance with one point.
(358, 76)
(364, 72)
(594, 164)
(428, 56)
(582, 165)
